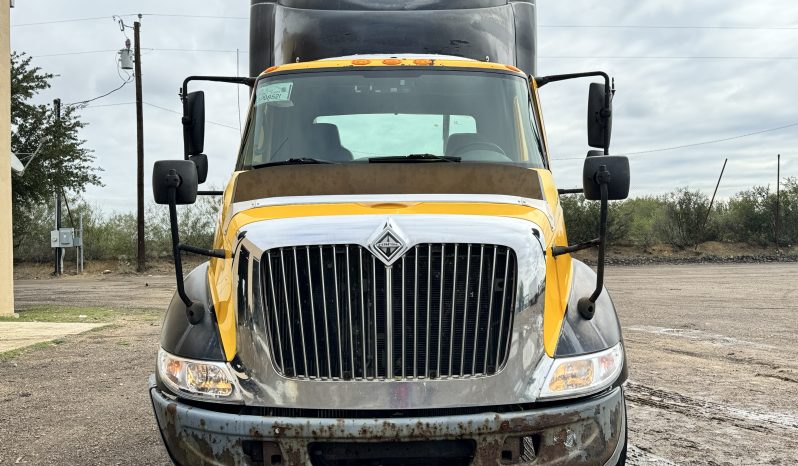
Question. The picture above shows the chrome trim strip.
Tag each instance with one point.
(388, 324)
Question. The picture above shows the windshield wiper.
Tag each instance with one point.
(293, 161)
(411, 158)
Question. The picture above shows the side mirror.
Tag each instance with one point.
(599, 116)
(610, 169)
(201, 162)
(180, 175)
(194, 123)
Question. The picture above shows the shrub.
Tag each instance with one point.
(683, 219)
(582, 219)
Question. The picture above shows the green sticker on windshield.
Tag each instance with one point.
(279, 92)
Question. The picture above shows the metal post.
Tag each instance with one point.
(140, 252)
(711, 202)
(57, 224)
(82, 245)
(778, 200)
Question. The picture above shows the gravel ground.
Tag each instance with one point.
(709, 347)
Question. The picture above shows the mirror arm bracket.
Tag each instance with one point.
(609, 90)
(246, 80)
(194, 311)
(560, 250)
(587, 305)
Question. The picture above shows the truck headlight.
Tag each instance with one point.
(582, 375)
(199, 380)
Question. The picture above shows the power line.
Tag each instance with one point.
(545, 26)
(637, 26)
(97, 18)
(83, 52)
(57, 21)
(664, 57)
(109, 105)
(163, 15)
(181, 113)
(82, 102)
(694, 144)
(552, 57)
(87, 52)
(160, 108)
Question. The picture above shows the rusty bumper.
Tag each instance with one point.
(584, 432)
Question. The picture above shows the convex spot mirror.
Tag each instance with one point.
(194, 123)
(201, 162)
(619, 177)
(599, 116)
(178, 174)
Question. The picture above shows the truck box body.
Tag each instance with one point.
(286, 31)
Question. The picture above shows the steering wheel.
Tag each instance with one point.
(479, 145)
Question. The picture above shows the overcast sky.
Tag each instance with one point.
(675, 86)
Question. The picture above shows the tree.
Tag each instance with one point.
(63, 163)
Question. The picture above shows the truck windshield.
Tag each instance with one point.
(369, 115)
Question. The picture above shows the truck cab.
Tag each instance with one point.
(390, 280)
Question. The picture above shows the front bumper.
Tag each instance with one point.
(584, 432)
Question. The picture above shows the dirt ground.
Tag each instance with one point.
(710, 347)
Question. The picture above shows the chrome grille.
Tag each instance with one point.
(441, 311)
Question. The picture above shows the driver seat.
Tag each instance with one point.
(324, 143)
(457, 141)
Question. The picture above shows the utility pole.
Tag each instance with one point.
(778, 199)
(57, 250)
(140, 261)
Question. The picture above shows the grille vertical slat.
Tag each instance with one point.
(362, 316)
(300, 314)
(326, 321)
(465, 311)
(349, 310)
(490, 310)
(438, 312)
(428, 310)
(374, 315)
(289, 321)
(415, 312)
(337, 313)
(501, 322)
(276, 314)
(313, 313)
(453, 314)
(404, 324)
(478, 310)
